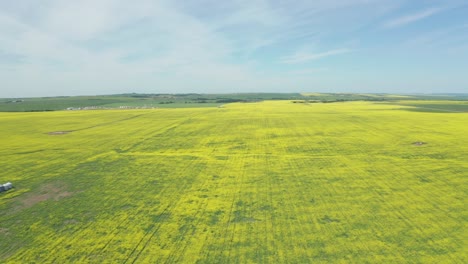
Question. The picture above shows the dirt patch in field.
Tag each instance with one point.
(71, 222)
(419, 143)
(50, 191)
(56, 133)
(4, 231)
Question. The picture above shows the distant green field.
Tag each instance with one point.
(62, 103)
(194, 100)
(263, 182)
(437, 106)
(135, 101)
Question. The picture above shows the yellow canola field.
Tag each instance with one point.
(267, 182)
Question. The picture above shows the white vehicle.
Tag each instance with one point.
(5, 187)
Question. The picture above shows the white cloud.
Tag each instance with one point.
(305, 57)
(86, 19)
(408, 19)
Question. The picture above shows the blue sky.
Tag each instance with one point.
(57, 47)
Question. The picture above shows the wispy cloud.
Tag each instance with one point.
(305, 57)
(408, 19)
(438, 40)
(308, 71)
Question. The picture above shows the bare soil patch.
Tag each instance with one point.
(56, 133)
(4, 231)
(419, 143)
(71, 222)
(49, 191)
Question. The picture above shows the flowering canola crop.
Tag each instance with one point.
(266, 182)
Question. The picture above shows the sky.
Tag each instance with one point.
(92, 47)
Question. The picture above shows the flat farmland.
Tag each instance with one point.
(265, 182)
